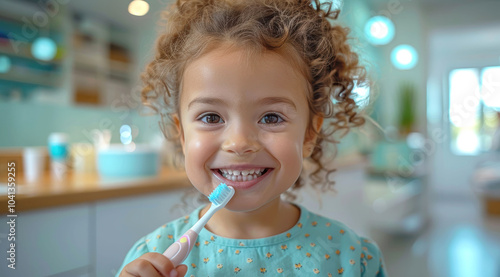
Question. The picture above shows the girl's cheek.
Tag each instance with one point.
(193, 140)
(287, 151)
(194, 148)
(197, 144)
(199, 147)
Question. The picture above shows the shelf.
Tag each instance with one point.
(47, 79)
(89, 61)
(24, 52)
(15, 11)
(119, 66)
(119, 70)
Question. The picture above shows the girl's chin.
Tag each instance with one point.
(242, 205)
(246, 204)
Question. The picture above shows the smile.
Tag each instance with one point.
(242, 175)
(242, 179)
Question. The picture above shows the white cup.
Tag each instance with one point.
(34, 163)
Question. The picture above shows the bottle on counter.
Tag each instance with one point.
(58, 151)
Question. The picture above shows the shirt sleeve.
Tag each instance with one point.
(138, 249)
(372, 260)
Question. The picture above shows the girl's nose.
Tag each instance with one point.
(241, 141)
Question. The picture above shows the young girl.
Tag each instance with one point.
(254, 88)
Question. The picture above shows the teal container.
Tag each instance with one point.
(117, 161)
(58, 146)
(58, 151)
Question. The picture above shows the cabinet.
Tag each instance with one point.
(120, 223)
(102, 62)
(93, 63)
(86, 240)
(50, 241)
(21, 24)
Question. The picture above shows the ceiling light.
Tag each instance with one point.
(138, 7)
(404, 57)
(379, 30)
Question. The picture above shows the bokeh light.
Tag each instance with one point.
(125, 134)
(44, 49)
(379, 30)
(5, 64)
(138, 7)
(404, 57)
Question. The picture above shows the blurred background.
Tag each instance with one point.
(94, 174)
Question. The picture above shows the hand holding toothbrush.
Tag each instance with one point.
(155, 265)
(179, 250)
(169, 264)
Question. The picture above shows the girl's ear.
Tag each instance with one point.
(178, 127)
(312, 136)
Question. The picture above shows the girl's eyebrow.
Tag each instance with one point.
(264, 101)
(207, 100)
(277, 100)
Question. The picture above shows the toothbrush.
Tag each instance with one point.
(179, 250)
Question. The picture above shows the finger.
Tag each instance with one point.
(140, 267)
(182, 269)
(161, 263)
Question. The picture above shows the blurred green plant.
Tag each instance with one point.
(407, 106)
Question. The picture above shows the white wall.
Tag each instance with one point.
(459, 36)
(444, 36)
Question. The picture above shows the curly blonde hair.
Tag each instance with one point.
(304, 30)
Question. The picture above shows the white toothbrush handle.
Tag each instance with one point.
(179, 250)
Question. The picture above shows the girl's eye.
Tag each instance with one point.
(271, 118)
(211, 119)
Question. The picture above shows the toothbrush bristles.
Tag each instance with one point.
(220, 194)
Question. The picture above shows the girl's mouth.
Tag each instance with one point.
(241, 178)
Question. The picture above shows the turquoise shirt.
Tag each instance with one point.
(315, 246)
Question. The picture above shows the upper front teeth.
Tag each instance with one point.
(242, 172)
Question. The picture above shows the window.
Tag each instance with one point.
(474, 109)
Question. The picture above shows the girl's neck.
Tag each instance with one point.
(271, 219)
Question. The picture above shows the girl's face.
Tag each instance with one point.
(243, 122)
